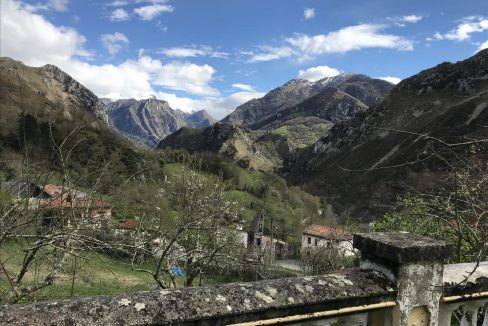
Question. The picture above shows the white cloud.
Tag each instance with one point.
(316, 73)
(483, 46)
(150, 12)
(138, 78)
(161, 26)
(393, 80)
(59, 5)
(246, 72)
(114, 42)
(411, 18)
(309, 13)
(119, 15)
(305, 47)
(31, 38)
(438, 36)
(268, 53)
(400, 21)
(117, 3)
(243, 87)
(463, 31)
(218, 107)
(182, 76)
(27, 36)
(193, 51)
(348, 39)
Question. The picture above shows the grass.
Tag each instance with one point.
(96, 274)
(246, 200)
(302, 135)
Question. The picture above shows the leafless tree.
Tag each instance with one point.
(50, 231)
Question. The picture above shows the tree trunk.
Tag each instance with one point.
(189, 279)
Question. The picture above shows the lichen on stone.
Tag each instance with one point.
(139, 306)
(220, 298)
(124, 302)
(263, 297)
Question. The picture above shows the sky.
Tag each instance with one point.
(218, 54)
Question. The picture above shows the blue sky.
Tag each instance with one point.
(217, 54)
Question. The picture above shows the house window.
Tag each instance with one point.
(316, 242)
(329, 244)
(309, 240)
(260, 227)
(258, 242)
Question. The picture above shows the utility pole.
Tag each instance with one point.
(273, 249)
(74, 276)
(283, 229)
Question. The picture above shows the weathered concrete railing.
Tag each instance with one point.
(401, 281)
(465, 291)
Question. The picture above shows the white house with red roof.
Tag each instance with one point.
(323, 236)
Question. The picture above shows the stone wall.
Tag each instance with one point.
(402, 281)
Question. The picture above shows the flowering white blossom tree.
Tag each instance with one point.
(190, 229)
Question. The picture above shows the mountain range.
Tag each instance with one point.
(354, 140)
(379, 141)
(344, 95)
(262, 133)
(146, 122)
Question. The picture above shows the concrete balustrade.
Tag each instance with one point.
(401, 282)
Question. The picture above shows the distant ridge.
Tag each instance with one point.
(250, 114)
(146, 122)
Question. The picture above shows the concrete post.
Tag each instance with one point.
(415, 264)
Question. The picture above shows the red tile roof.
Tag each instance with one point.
(327, 232)
(84, 203)
(55, 191)
(129, 225)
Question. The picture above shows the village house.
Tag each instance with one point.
(257, 240)
(323, 236)
(83, 207)
(55, 201)
(23, 189)
(241, 234)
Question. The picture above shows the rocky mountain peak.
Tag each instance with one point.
(296, 83)
(147, 121)
(330, 81)
(263, 111)
(86, 97)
